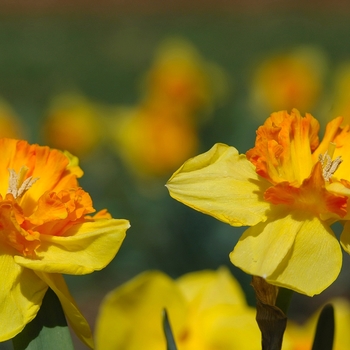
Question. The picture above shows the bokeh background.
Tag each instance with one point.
(135, 88)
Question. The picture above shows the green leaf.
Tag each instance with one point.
(325, 329)
(48, 330)
(171, 345)
(283, 299)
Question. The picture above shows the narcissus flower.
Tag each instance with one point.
(290, 79)
(289, 188)
(46, 229)
(73, 123)
(181, 78)
(154, 139)
(207, 310)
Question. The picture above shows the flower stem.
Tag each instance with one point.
(272, 321)
(48, 330)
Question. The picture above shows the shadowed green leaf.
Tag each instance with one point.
(324, 335)
(48, 330)
(171, 345)
(283, 299)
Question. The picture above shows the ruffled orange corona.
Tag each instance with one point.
(290, 188)
(45, 230)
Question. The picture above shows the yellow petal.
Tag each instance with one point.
(223, 184)
(208, 288)
(262, 247)
(298, 252)
(224, 327)
(87, 247)
(219, 316)
(130, 317)
(75, 318)
(21, 294)
(314, 261)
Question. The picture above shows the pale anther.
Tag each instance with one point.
(17, 185)
(329, 166)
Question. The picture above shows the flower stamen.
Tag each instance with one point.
(17, 185)
(329, 166)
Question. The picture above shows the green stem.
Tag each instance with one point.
(48, 330)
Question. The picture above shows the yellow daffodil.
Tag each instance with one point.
(207, 310)
(289, 188)
(290, 79)
(181, 78)
(47, 230)
(154, 139)
(74, 124)
(300, 337)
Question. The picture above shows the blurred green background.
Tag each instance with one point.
(104, 56)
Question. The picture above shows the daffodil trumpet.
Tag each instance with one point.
(289, 188)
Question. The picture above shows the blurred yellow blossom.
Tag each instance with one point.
(182, 79)
(300, 337)
(207, 310)
(72, 123)
(289, 188)
(289, 80)
(159, 133)
(46, 230)
(154, 139)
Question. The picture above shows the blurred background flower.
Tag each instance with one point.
(178, 92)
(155, 138)
(183, 80)
(290, 79)
(72, 123)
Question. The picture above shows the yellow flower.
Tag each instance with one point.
(300, 337)
(292, 79)
(207, 310)
(181, 78)
(47, 230)
(154, 139)
(73, 123)
(288, 188)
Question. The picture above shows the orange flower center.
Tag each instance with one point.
(287, 153)
(27, 212)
